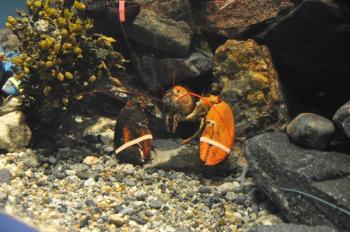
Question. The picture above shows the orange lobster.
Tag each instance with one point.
(216, 121)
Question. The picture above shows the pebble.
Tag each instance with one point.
(83, 175)
(155, 204)
(141, 196)
(118, 208)
(150, 213)
(52, 160)
(84, 222)
(108, 149)
(81, 167)
(204, 189)
(5, 176)
(91, 160)
(31, 161)
(228, 187)
(230, 196)
(128, 211)
(3, 196)
(117, 220)
(63, 209)
(130, 182)
(138, 220)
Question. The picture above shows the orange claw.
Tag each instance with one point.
(218, 135)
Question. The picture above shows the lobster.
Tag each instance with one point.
(133, 138)
(216, 121)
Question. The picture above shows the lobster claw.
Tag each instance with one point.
(132, 137)
(218, 135)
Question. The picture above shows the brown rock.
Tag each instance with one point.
(250, 85)
(14, 132)
(232, 17)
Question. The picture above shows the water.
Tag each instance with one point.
(8, 7)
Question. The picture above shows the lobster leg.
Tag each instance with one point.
(197, 133)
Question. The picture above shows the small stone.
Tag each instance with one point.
(63, 209)
(117, 219)
(42, 181)
(19, 171)
(150, 213)
(106, 189)
(108, 149)
(31, 161)
(52, 160)
(90, 203)
(118, 208)
(107, 137)
(84, 222)
(311, 131)
(5, 176)
(155, 204)
(204, 189)
(81, 170)
(228, 187)
(230, 196)
(81, 167)
(141, 196)
(161, 172)
(137, 219)
(173, 176)
(91, 160)
(128, 211)
(130, 182)
(3, 196)
(238, 219)
(129, 169)
(269, 220)
(83, 175)
(184, 229)
(148, 181)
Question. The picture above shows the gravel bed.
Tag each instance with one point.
(76, 189)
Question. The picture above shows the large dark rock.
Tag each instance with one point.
(291, 228)
(310, 49)
(277, 163)
(231, 18)
(342, 119)
(311, 130)
(250, 85)
(163, 25)
(157, 69)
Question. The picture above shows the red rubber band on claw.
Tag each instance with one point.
(122, 10)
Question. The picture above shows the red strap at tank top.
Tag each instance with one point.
(122, 10)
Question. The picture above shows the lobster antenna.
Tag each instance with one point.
(206, 101)
(160, 86)
(174, 77)
(120, 91)
(318, 199)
